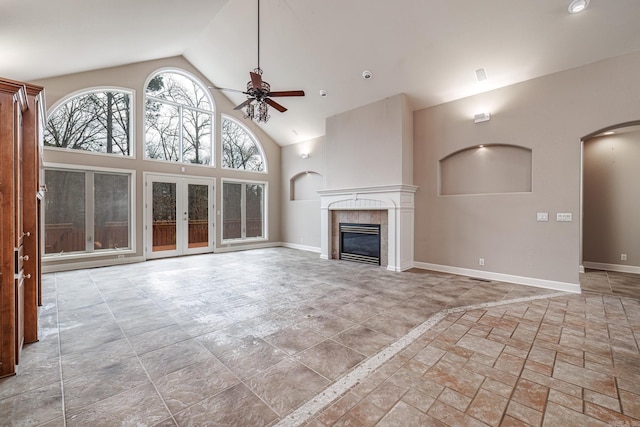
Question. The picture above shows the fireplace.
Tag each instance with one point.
(390, 206)
(360, 243)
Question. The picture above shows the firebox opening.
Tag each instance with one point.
(360, 243)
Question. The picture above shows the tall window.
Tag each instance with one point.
(97, 121)
(240, 150)
(178, 119)
(243, 210)
(87, 211)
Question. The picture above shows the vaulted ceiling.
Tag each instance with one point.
(428, 49)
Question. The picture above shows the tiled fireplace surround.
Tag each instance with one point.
(391, 206)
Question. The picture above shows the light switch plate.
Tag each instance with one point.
(542, 216)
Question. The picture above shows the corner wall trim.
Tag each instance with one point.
(612, 267)
(520, 280)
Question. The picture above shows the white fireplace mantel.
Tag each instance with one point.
(397, 200)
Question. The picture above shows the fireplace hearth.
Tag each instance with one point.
(360, 243)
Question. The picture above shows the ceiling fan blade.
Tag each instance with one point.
(226, 89)
(245, 103)
(275, 105)
(287, 93)
(256, 80)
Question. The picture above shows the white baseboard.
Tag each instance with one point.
(238, 247)
(300, 247)
(612, 267)
(520, 280)
(54, 268)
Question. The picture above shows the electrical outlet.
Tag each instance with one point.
(481, 261)
(623, 257)
(564, 217)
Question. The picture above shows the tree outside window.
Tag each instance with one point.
(178, 119)
(97, 121)
(239, 148)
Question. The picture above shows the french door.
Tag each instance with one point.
(178, 215)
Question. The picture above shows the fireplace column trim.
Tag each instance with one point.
(397, 200)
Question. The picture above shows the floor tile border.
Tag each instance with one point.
(313, 406)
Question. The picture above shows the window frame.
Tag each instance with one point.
(243, 213)
(90, 251)
(92, 89)
(180, 107)
(253, 137)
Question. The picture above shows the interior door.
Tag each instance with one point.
(179, 215)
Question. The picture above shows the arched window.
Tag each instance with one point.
(98, 120)
(240, 150)
(178, 119)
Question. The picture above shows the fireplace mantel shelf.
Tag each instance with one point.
(398, 188)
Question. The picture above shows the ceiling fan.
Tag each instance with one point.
(259, 92)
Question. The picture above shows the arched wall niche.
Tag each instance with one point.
(305, 186)
(486, 169)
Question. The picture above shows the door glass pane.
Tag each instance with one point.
(232, 211)
(164, 216)
(254, 210)
(64, 213)
(111, 217)
(198, 216)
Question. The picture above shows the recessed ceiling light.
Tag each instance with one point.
(366, 74)
(577, 6)
(323, 93)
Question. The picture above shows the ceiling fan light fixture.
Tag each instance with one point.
(577, 6)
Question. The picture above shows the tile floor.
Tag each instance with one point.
(281, 337)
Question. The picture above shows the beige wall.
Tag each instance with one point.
(370, 145)
(301, 218)
(612, 199)
(134, 77)
(549, 115)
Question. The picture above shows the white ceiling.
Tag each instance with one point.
(428, 49)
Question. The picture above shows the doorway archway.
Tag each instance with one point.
(610, 204)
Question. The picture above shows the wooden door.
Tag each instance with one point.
(18, 236)
(13, 102)
(31, 181)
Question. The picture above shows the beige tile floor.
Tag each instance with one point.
(280, 337)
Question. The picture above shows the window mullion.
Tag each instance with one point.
(89, 211)
(243, 210)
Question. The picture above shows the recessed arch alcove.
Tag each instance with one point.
(305, 186)
(486, 169)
